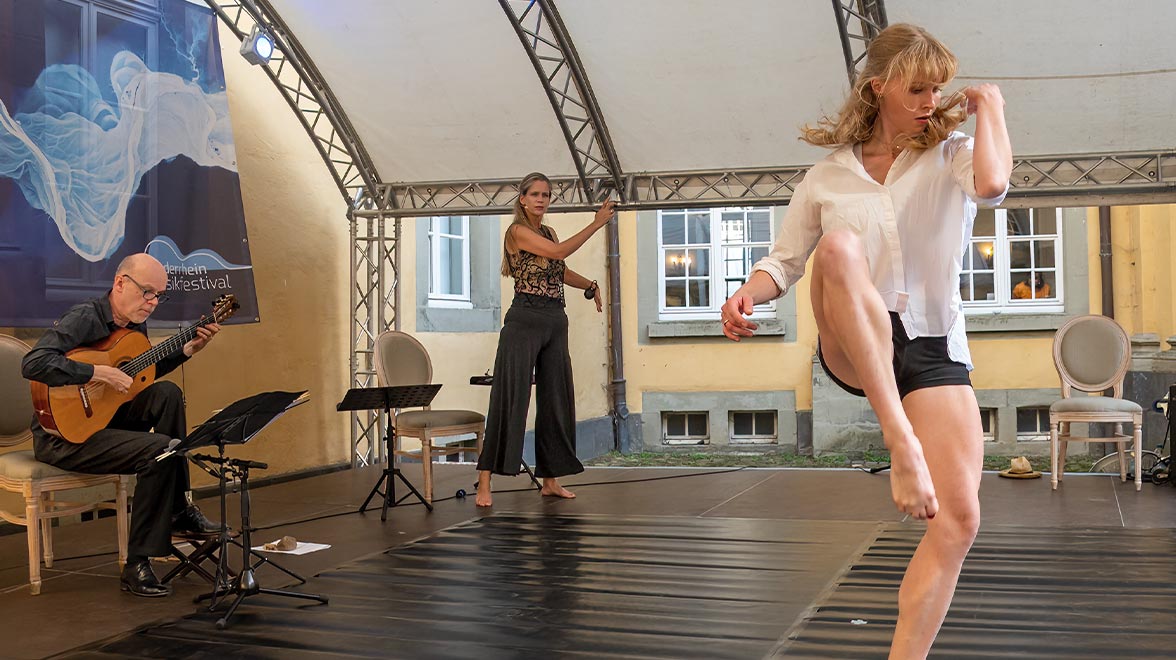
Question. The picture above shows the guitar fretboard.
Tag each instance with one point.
(164, 348)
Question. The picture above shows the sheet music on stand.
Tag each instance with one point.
(240, 421)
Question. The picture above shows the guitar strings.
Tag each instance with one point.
(155, 353)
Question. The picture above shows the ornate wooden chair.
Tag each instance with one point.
(1092, 354)
(402, 360)
(21, 472)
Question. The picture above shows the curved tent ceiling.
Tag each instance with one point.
(1078, 77)
(444, 91)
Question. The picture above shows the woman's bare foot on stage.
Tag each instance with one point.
(551, 488)
(483, 498)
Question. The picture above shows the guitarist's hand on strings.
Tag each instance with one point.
(203, 336)
(112, 376)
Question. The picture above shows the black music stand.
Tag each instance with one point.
(387, 398)
(237, 424)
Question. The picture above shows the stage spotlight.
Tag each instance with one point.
(258, 48)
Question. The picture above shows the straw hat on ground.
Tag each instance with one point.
(1019, 468)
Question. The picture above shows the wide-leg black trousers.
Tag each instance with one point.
(534, 339)
(127, 446)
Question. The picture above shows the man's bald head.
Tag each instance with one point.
(137, 277)
(140, 264)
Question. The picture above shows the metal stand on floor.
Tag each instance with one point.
(387, 399)
(237, 424)
(244, 584)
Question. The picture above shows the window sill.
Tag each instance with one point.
(709, 328)
(449, 303)
(1015, 322)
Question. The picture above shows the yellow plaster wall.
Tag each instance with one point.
(299, 243)
(1142, 254)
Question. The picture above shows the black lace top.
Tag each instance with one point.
(536, 275)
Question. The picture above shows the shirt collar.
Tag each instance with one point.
(104, 310)
(107, 314)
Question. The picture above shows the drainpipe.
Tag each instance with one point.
(1108, 286)
(1104, 255)
(620, 408)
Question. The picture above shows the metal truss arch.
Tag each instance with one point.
(308, 94)
(858, 22)
(1134, 177)
(550, 49)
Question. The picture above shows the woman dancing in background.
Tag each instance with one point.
(534, 340)
(888, 214)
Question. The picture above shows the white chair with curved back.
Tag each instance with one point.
(21, 472)
(402, 360)
(1092, 354)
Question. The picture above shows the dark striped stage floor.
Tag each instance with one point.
(703, 564)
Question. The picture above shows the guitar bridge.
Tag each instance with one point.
(85, 401)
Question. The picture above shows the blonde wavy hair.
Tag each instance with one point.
(520, 218)
(900, 52)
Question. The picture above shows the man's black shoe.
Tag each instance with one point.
(191, 522)
(139, 579)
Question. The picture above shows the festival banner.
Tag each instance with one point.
(115, 139)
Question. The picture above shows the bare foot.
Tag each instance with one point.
(910, 481)
(551, 488)
(483, 498)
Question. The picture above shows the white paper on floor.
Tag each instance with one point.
(302, 549)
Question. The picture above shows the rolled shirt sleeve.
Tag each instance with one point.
(961, 150)
(799, 232)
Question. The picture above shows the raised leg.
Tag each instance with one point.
(857, 344)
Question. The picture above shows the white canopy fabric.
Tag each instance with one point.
(442, 90)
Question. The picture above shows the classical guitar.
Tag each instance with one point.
(76, 412)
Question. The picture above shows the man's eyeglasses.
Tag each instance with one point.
(148, 294)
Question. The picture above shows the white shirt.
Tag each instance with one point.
(915, 228)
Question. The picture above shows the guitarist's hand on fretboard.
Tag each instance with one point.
(203, 336)
(112, 376)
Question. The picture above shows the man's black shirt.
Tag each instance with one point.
(84, 324)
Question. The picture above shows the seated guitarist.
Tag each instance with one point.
(128, 445)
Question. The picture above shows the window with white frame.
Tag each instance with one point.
(1014, 262)
(685, 428)
(705, 255)
(449, 261)
(753, 427)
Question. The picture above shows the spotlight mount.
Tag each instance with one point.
(258, 47)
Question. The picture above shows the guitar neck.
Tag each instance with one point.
(165, 348)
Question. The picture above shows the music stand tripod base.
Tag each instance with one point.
(244, 584)
(386, 399)
(239, 423)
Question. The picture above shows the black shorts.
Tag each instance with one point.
(918, 363)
